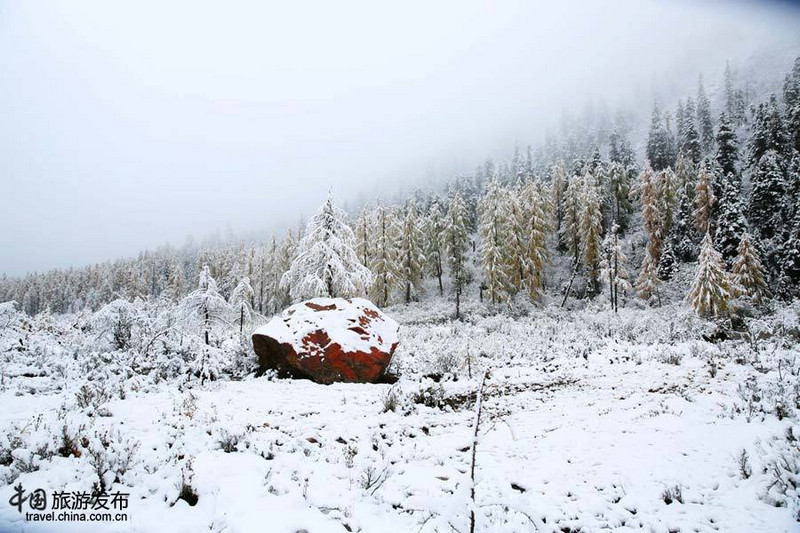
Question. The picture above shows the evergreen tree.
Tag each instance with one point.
(731, 224)
(711, 289)
(666, 200)
(536, 227)
(241, 302)
(384, 265)
(667, 262)
(788, 255)
(456, 238)
(791, 96)
(727, 153)
(591, 228)
(768, 194)
(691, 143)
(570, 229)
(517, 244)
(704, 122)
(651, 216)
(612, 267)
(747, 272)
(703, 201)
(412, 252)
(206, 303)
(435, 245)
(493, 230)
(559, 188)
(619, 192)
(326, 263)
(659, 143)
(647, 282)
(768, 132)
(364, 237)
(681, 233)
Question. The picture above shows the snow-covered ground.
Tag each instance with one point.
(592, 421)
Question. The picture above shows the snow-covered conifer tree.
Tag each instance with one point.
(456, 243)
(364, 237)
(326, 263)
(650, 214)
(571, 224)
(747, 272)
(206, 303)
(591, 232)
(711, 289)
(494, 235)
(537, 227)
(384, 265)
(647, 282)
(730, 223)
(411, 248)
(703, 202)
(613, 274)
(241, 299)
(766, 200)
(434, 240)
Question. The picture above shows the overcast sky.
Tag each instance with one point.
(125, 125)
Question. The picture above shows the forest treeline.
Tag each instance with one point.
(722, 189)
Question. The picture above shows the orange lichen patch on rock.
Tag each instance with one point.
(318, 307)
(319, 340)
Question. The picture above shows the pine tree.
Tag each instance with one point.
(456, 244)
(768, 194)
(559, 188)
(619, 192)
(206, 303)
(703, 201)
(681, 234)
(570, 229)
(666, 200)
(434, 239)
(384, 264)
(412, 252)
(591, 227)
(730, 223)
(768, 132)
(704, 122)
(747, 272)
(647, 282)
(241, 302)
(788, 255)
(494, 235)
(612, 267)
(326, 263)
(691, 143)
(711, 289)
(364, 237)
(517, 245)
(791, 96)
(667, 262)
(659, 143)
(650, 214)
(727, 153)
(537, 227)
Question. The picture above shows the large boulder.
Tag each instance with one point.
(328, 340)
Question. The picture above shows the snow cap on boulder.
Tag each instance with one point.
(328, 340)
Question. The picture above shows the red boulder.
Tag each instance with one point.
(328, 340)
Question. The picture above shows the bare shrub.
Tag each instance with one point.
(743, 462)
(372, 479)
(672, 494)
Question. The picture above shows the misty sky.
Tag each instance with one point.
(128, 125)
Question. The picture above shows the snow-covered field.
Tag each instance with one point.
(591, 421)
